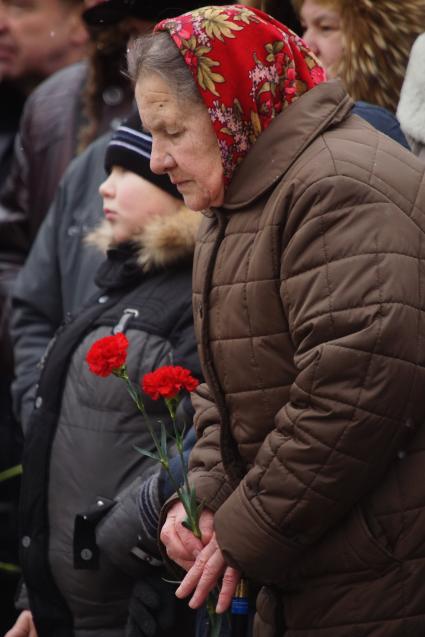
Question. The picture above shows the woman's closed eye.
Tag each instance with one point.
(174, 132)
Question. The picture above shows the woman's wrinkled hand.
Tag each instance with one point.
(207, 571)
(181, 545)
(23, 627)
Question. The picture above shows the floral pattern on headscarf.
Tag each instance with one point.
(248, 68)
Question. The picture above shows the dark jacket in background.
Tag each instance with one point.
(381, 119)
(30, 169)
(11, 105)
(44, 147)
(79, 450)
(58, 277)
(47, 142)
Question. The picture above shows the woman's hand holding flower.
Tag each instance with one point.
(202, 559)
(209, 570)
(181, 544)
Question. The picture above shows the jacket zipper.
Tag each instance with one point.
(66, 321)
(126, 316)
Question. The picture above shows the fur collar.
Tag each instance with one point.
(411, 111)
(164, 241)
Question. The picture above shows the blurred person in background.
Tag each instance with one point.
(367, 45)
(37, 37)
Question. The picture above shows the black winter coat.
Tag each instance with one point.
(79, 449)
(58, 276)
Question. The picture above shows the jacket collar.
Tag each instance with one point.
(285, 139)
(164, 241)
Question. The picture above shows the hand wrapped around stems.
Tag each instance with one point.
(202, 559)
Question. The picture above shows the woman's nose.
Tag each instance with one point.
(161, 160)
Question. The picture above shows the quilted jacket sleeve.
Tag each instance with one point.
(207, 473)
(37, 311)
(350, 286)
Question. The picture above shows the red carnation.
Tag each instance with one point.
(168, 381)
(107, 354)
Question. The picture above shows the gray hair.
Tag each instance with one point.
(157, 53)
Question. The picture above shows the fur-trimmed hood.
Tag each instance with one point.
(411, 108)
(164, 240)
(379, 35)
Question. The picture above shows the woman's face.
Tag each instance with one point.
(322, 33)
(129, 202)
(183, 143)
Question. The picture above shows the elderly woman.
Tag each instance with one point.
(309, 313)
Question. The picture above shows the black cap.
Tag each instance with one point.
(112, 11)
(130, 148)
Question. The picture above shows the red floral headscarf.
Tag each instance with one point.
(248, 68)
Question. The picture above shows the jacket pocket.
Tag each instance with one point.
(85, 548)
(370, 552)
(349, 553)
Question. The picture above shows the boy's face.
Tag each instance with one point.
(130, 202)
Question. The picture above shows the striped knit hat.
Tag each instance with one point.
(130, 148)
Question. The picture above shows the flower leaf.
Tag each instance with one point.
(147, 453)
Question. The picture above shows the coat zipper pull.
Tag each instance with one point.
(126, 316)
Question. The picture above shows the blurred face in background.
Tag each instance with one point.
(38, 37)
(321, 25)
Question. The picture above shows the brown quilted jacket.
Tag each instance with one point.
(309, 300)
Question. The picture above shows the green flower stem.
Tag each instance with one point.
(132, 390)
(12, 472)
(9, 568)
(188, 502)
(185, 493)
(215, 619)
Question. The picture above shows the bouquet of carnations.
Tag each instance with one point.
(108, 356)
